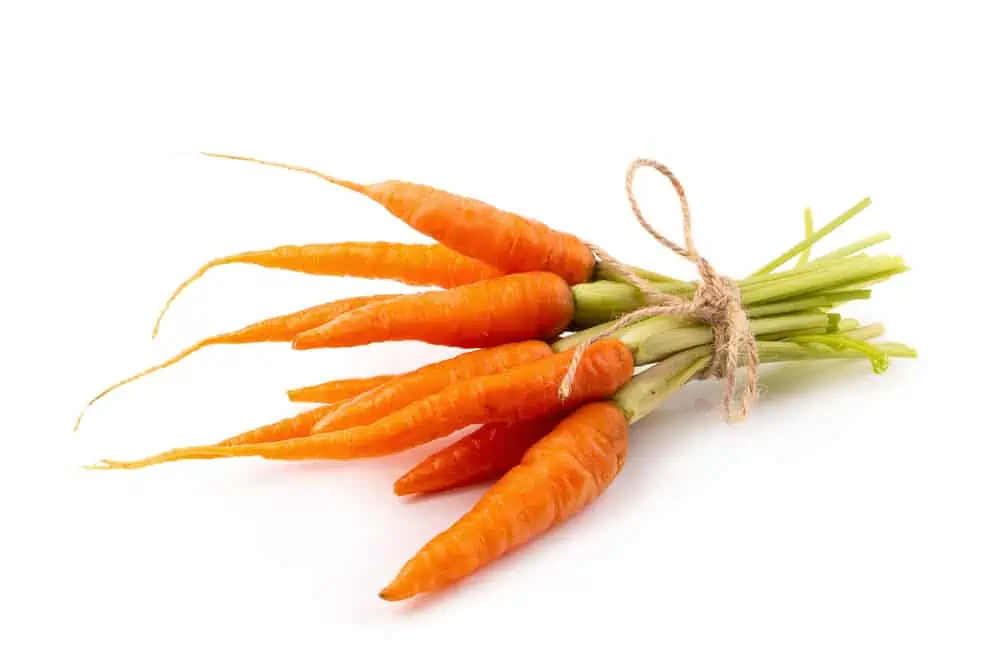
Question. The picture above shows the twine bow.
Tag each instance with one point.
(716, 302)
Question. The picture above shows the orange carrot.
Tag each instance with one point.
(485, 454)
(336, 391)
(523, 392)
(506, 240)
(520, 306)
(411, 264)
(409, 387)
(292, 427)
(276, 329)
(561, 474)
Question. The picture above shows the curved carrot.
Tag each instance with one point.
(405, 263)
(485, 454)
(524, 392)
(475, 229)
(520, 306)
(336, 391)
(409, 387)
(276, 329)
(561, 474)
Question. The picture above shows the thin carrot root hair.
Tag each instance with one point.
(350, 185)
(282, 328)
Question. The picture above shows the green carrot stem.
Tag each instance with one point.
(813, 238)
(856, 247)
(650, 344)
(605, 273)
(804, 257)
(603, 301)
(649, 388)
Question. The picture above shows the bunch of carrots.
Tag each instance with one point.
(522, 298)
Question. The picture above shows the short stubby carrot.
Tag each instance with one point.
(291, 427)
(522, 306)
(485, 454)
(409, 387)
(558, 476)
(411, 264)
(523, 392)
(283, 328)
(336, 391)
(505, 240)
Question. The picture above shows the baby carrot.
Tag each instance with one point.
(411, 264)
(523, 392)
(409, 387)
(505, 240)
(292, 427)
(559, 475)
(520, 306)
(276, 329)
(485, 454)
(335, 391)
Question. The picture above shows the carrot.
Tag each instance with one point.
(336, 391)
(523, 392)
(276, 329)
(411, 264)
(559, 475)
(292, 427)
(520, 306)
(409, 387)
(505, 240)
(485, 454)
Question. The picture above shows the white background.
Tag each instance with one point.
(851, 520)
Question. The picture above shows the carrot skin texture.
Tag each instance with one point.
(508, 241)
(558, 476)
(336, 391)
(409, 387)
(521, 393)
(474, 228)
(406, 263)
(523, 306)
(283, 328)
(483, 455)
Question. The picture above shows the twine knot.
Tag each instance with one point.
(716, 302)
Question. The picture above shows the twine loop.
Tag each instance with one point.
(716, 302)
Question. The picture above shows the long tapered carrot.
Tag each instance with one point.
(520, 306)
(508, 241)
(296, 426)
(559, 475)
(524, 392)
(283, 328)
(412, 264)
(336, 391)
(485, 454)
(409, 387)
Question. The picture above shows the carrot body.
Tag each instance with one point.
(283, 328)
(521, 306)
(405, 389)
(336, 391)
(559, 475)
(411, 264)
(508, 241)
(521, 393)
(485, 454)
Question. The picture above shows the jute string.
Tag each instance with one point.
(716, 302)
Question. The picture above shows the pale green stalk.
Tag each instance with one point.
(813, 238)
(804, 257)
(856, 247)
